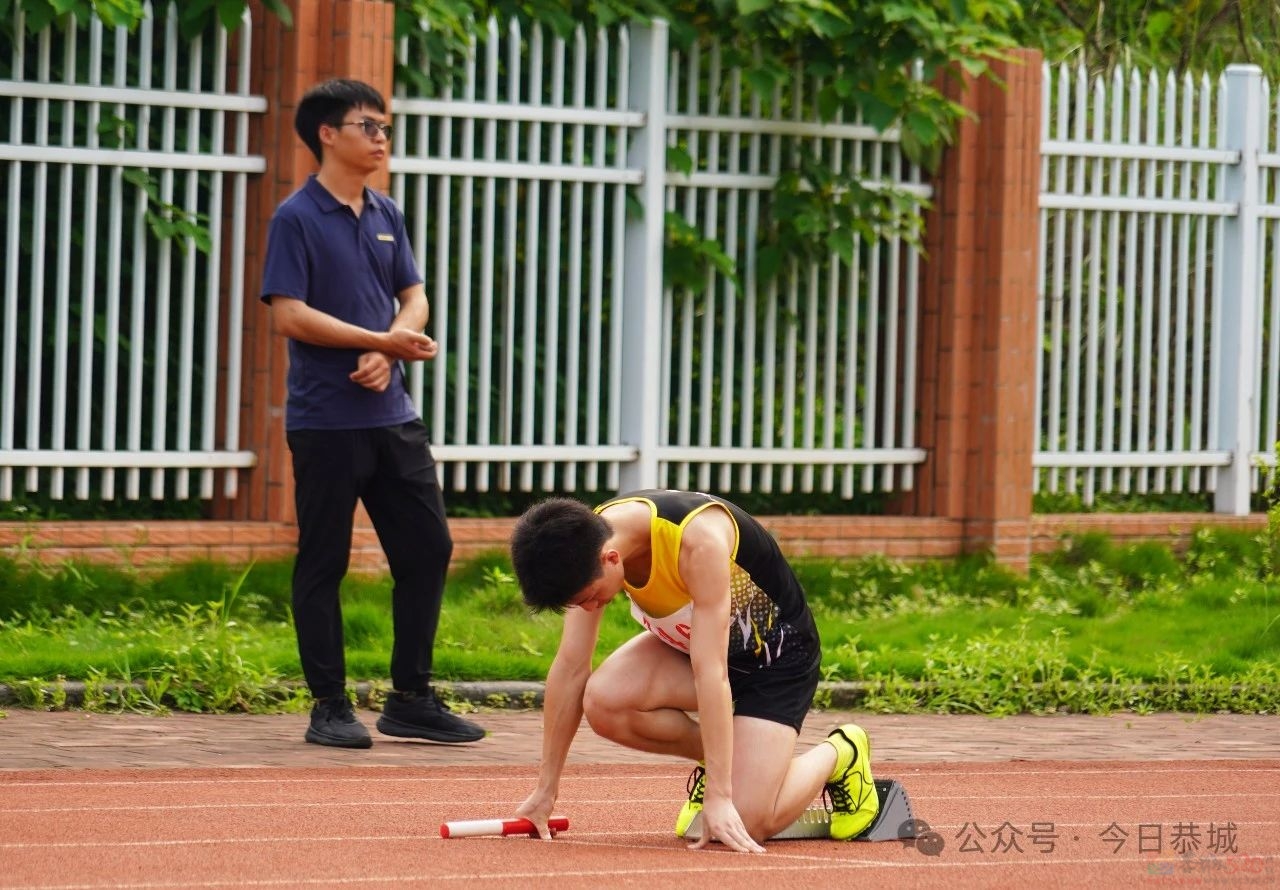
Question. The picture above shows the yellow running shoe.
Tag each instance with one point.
(854, 802)
(693, 806)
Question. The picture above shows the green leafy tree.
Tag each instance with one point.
(1182, 35)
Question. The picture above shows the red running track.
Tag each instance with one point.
(1045, 824)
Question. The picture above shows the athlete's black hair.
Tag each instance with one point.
(555, 549)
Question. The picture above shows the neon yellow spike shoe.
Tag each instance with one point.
(854, 802)
(697, 787)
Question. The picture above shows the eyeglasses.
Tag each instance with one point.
(371, 128)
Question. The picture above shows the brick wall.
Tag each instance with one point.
(154, 544)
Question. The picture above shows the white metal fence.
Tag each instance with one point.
(119, 361)
(567, 363)
(1160, 308)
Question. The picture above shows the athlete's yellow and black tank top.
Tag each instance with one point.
(770, 621)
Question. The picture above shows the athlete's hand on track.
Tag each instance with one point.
(537, 809)
(721, 822)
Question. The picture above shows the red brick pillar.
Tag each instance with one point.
(329, 38)
(978, 317)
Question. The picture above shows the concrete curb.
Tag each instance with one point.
(502, 694)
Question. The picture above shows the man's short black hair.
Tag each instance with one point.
(555, 550)
(328, 103)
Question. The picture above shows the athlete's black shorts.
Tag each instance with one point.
(778, 693)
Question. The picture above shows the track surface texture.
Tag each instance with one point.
(96, 801)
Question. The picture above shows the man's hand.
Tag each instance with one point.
(721, 822)
(411, 346)
(373, 371)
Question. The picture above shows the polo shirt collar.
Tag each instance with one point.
(328, 203)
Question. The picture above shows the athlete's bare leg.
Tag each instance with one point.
(771, 787)
(639, 697)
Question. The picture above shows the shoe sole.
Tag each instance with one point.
(392, 727)
(319, 738)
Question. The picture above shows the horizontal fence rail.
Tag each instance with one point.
(120, 357)
(1159, 303)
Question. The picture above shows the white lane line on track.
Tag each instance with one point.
(929, 776)
(370, 780)
(771, 868)
(422, 802)
(418, 802)
(580, 837)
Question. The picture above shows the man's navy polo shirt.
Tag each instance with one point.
(351, 268)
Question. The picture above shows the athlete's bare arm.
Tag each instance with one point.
(705, 553)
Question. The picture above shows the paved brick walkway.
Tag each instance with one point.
(74, 739)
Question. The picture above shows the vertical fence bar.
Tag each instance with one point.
(618, 273)
(891, 371)
(442, 292)
(138, 295)
(1271, 413)
(510, 264)
(89, 266)
(1112, 330)
(187, 320)
(910, 334)
(533, 209)
(1129, 337)
(235, 284)
(462, 279)
(1238, 300)
(831, 331)
(573, 336)
(710, 229)
(1181, 329)
(191, 290)
(164, 258)
(769, 336)
(62, 306)
(1093, 325)
(551, 369)
(871, 339)
(1147, 308)
(684, 368)
(1263, 435)
(1057, 286)
(852, 344)
(111, 339)
(39, 210)
(643, 261)
(731, 332)
(595, 275)
(1164, 318)
(1075, 332)
(1046, 104)
(488, 213)
(750, 297)
(9, 333)
(1200, 321)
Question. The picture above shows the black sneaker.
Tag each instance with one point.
(334, 723)
(421, 715)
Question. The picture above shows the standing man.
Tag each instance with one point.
(345, 290)
(727, 634)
